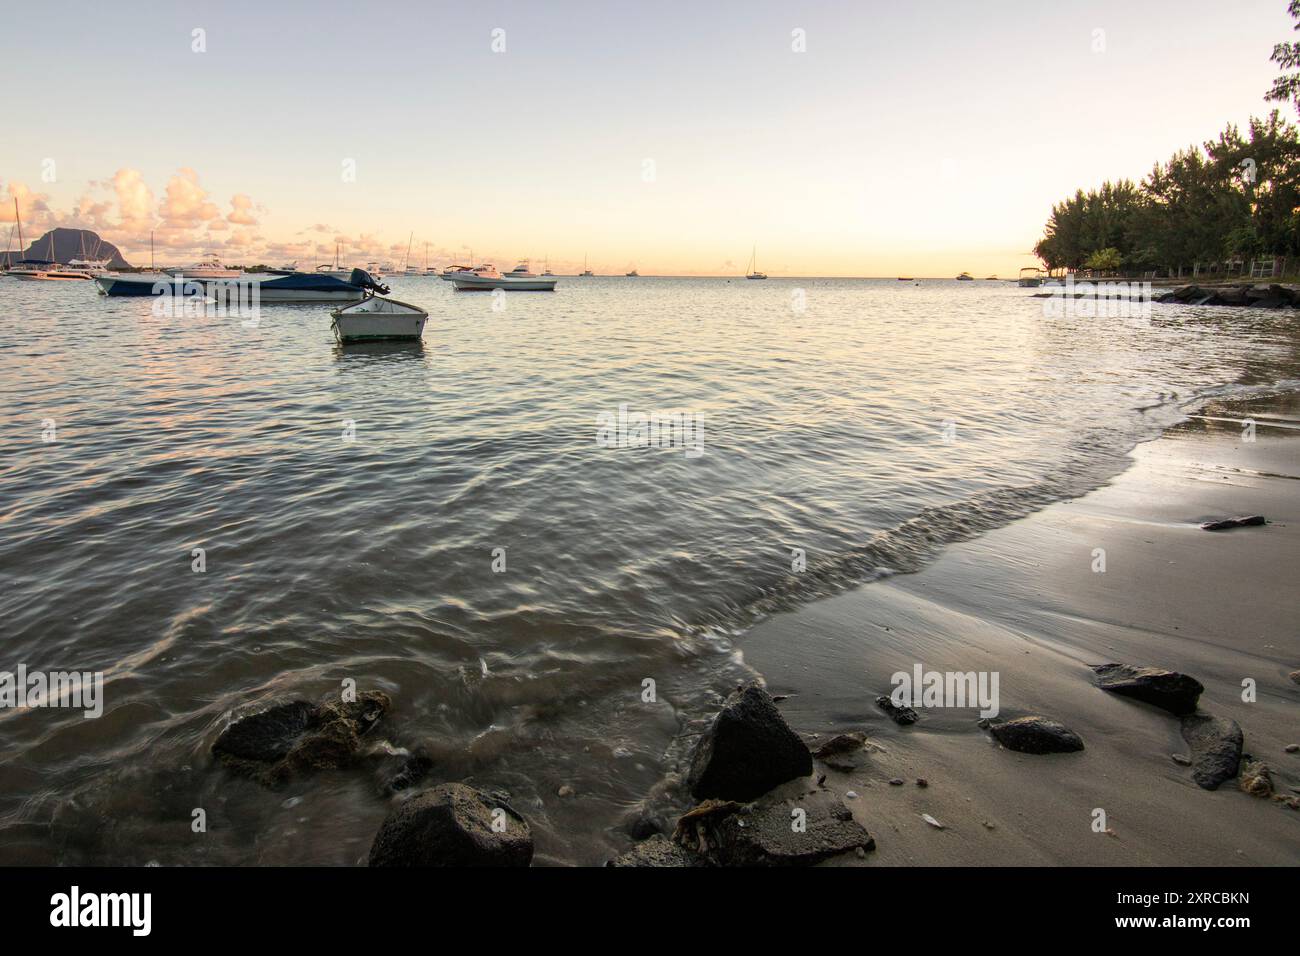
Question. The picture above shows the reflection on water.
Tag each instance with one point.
(438, 521)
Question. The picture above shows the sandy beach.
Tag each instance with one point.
(1025, 601)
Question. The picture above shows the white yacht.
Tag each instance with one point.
(487, 277)
(210, 268)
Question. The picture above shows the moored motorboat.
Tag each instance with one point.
(209, 268)
(268, 287)
(486, 277)
(1031, 277)
(376, 319)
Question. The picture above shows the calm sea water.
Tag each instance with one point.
(866, 430)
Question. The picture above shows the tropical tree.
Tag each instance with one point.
(1287, 57)
(1104, 260)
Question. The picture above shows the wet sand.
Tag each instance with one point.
(1025, 601)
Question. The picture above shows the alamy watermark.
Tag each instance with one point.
(76, 690)
(922, 688)
(191, 298)
(672, 429)
(1117, 299)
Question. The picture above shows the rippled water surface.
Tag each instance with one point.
(867, 430)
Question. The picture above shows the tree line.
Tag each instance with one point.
(1233, 198)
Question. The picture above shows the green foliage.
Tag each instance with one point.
(1287, 56)
(1104, 260)
(1236, 195)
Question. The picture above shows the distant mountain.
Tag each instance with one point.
(70, 244)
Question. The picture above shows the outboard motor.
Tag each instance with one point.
(364, 280)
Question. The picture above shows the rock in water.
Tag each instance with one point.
(747, 751)
(899, 713)
(771, 832)
(453, 825)
(1224, 524)
(1036, 735)
(276, 744)
(1168, 690)
(1216, 748)
(658, 851)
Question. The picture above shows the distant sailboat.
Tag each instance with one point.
(753, 272)
(41, 270)
(585, 270)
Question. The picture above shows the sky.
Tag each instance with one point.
(840, 138)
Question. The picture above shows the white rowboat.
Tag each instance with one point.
(376, 319)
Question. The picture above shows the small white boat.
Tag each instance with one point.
(753, 267)
(376, 319)
(521, 271)
(1031, 277)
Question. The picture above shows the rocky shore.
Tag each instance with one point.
(1142, 718)
(1253, 295)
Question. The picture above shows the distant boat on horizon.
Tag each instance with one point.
(965, 277)
(904, 278)
(752, 272)
(631, 275)
(585, 270)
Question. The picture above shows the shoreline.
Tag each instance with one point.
(1024, 601)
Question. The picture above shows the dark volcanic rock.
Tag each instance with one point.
(1223, 524)
(840, 744)
(1168, 690)
(1216, 748)
(658, 851)
(1036, 735)
(296, 737)
(901, 714)
(412, 771)
(452, 825)
(747, 751)
(770, 832)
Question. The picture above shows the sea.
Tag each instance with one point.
(543, 531)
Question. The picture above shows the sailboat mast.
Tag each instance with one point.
(19, 219)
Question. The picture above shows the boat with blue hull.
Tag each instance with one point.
(296, 287)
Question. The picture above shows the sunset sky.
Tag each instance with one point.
(907, 139)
